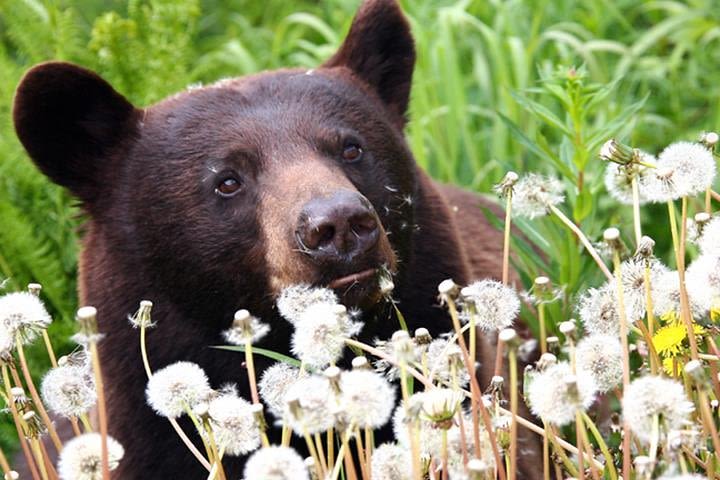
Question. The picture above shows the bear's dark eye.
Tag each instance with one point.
(228, 187)
(352, 152)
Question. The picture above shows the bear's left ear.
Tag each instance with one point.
(73, 125)
(379, 50)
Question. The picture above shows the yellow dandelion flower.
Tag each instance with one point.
(670, 317)
(715, 311)
(668, 365)
(668, 341)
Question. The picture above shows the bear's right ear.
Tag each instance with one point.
(71, 122)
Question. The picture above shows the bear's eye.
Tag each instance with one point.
(352, 152)
(228, 187)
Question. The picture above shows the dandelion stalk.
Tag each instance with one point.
(414, 443)
(612, 237)
(34, 394)
(213, 447)
(509, 337)
(29, 459)
(552, 436)
(637, 226)
(343, 452)
(506, 189)
(583, 239)
(144, 321)
(684, 300)
(4, 464)
(609, 463)
(477, 399)
(695, 371)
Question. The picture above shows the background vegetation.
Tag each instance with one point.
(524, 85)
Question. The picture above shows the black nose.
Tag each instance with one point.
(338, 227)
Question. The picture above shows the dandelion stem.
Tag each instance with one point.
(343, 452)
(561, 453)
(541, 322)
(321, 451)
(331, 445)
(506, 238)
(251, 372)
(368, 451)
(49, 348)
(654, 358)
(35, 445)
(512, 360)
(213, 447)
(626, 359)
(637, 226)
(16, 418)
(579, 443)
(499, 357)
(176, 426)
(4, 464)
(361, 454)
(609, 463)
(102, 411)
(444, 455)
(414, 444)
(586, 442)
(713, 367)
(583, 239)
(477, 393)
(707, 417)
(708, 196)
(680, 260)
(34, 394)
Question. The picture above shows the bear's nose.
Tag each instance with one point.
(337, 227)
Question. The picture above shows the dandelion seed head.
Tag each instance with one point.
(274, 385)
(683, 169)
(633, 278)
(320, 333)
(69, 391)
(702, 279)
(555, 394)
(367, 399)
(276, 463)
(178, 386)
(709, 241)
(245, 328)
(443, 357)
(600, 356)
(666, 296)
(23, 313)
(599, 312)
(233, 424)
(310, 405)
(651, 395)
(492, 305)
(533, 193)
(391, 462)
(618, 180)
(294, 300)
(81, 459)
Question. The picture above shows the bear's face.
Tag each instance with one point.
(250, 184)
(237, 179)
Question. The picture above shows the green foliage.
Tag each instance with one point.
(520, 85)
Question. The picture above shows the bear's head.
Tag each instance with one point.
(238, 189)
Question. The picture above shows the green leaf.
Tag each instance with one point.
(266, 353)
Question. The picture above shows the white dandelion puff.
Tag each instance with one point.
(702, 279)
(633, 279)
(444, 362)
(683, 169)
(69, 391)
(294, 300)
(21, 313)
(618, 179)
(601, 357)
(666, 296)
(493, 305)
(533, 193)
(176, 387)
(391, 462)
(709, 241)
(598, 311)
(320, 333)
(274, 384)
(648, 396)
(81, 459)
(233, 424)
(276, 463)
(555, 394)
(245, 328)
(310, 405)
(366, 399)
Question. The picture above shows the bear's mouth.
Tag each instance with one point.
(352, 279)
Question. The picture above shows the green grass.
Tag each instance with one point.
(525, 85)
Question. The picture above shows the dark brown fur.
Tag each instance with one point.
(157, 231)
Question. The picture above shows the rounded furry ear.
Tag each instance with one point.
(73, 124)
(379, 49)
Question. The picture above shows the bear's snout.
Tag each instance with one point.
(337, 229)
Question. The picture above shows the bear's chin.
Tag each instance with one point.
(359, 290)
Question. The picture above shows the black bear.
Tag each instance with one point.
(216, 198)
